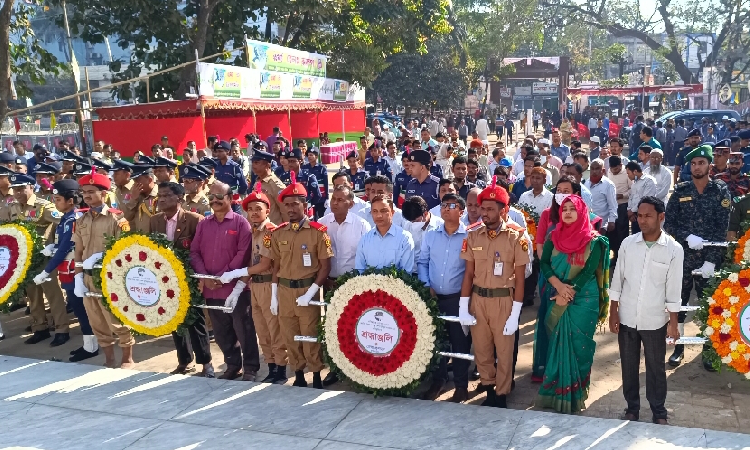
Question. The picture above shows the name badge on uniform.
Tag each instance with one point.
(306, 257)
(356, 186)
(498, 269)
(685, 199)
(377, 173)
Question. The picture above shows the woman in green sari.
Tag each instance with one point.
(575, 265)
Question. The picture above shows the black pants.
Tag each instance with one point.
(530, 284)
(654, 350)
(620, 232)
(194, 341)
(634, 227)
(76, 304)
(320, 210)
(459, 342)
(235, 334)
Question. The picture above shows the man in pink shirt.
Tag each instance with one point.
(222, 243)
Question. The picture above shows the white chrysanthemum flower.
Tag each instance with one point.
(734, 299)
(733, 277)
(725, 329)
(727, 359)
(708, 331)
(733, 345)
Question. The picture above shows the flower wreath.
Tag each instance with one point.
(742, 247)
(381, 331)
(150, 302)
(22, 246)
(725, 319)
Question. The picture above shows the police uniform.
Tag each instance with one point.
(305, 178)
(381, 167)
(169, 164)
(266, 324)
(91, 232)
(428, 188)
(231, 172)
(45, 217)
(702, 214)
(321, 174)
(198, 202)
(298, 248)
(680, 159)
(6, 198)
(123, 193)
(139, 209)
(496, 255)
(45, 188)
(399, 186)
(272, 186)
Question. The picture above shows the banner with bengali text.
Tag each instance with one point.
(272, 57)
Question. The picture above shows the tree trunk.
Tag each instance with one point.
(187, 75)
(5, 91)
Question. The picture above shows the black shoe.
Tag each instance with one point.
(271, 374)
(676, 358)
(60, 339)
(78, 350)
(2, 336)
(317, 383)
(299, 379)
(491, 399)
(436, 388)
(38, 337)
(501, 401)
(330, 379)
(183, 369)
(68, 309)
(512, 385)
(529, 302)
(708, 366)
(83, 354)
(280, 377)
(474, 376)
(480, 388)
(460, 395)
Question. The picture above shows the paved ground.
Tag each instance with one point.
(50, 406)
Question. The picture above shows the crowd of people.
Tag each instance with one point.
(608, 242)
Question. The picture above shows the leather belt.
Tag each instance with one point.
(485, 292)
(262, 278)
(296, 284)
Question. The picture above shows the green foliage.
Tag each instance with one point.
(441, 339)
(37, 263)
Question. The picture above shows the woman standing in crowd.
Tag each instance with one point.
(575, 263)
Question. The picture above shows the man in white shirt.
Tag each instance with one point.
(537, 198)
(661, 174)
(643, 186)
(593, 125)
(418, 220)
(603, 197)
(483, 129)
(619, 177)
(388, 134)
(647, 281)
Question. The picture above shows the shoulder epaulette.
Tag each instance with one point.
(474, 225)
(319, 226)
(114, 211)
(515, 226)
(270, 226)
(82, 210)
(682, 185)
(739, 198)
(281, 225)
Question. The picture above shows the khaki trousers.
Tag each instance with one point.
(51, 290)
(487, 336)
(103, 323)
(267, 325)
(299, 320)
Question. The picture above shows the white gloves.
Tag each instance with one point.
(511, 325)
(80, 289)
(305, 299)
(49, 250)
(231, 301)
(695, 242)
(275, 299)
(88, 264)
(707, 269)
(464, 317)
(41, 278)
(226, 277)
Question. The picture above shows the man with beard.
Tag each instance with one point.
(698, 211)
(615, 149)
(737, 182)
(721, 155)
(459, 167)
(661, 174)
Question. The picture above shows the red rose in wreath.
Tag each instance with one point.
(142, 256)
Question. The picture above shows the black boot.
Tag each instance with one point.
(271, 374)
(60, 339)
(330, 379)
(317, 382)
(280, 376)
(299, 379)
(501, 401)
(491, 397)
(83, 354)
(707, 366)
(38, 337)
(677, 356)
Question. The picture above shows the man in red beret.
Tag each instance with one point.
(496, 254)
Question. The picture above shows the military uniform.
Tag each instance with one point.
(6, 198)
(739, 212)
(89, 237)
(138, 210)
(272, 186)
(309, 181)
(298, 248)
(45, 217)
(496, 254)
(266, 324)
(197, 203)
(738, 187)
(123, 194)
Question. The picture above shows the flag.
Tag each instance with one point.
(52, 120)
(16, 124)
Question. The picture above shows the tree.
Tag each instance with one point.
(21, 54)
(691, 18)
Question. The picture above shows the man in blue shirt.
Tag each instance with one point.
(422, 183)
(386, 244)
(442, 271)
(305, 178)
(40, 152)
(356, 173)
(228, 171)
(376, 165)
(402, 179)
(602, 133)
(557, 148)
(321, 174)
(682, 170)
(427, 141)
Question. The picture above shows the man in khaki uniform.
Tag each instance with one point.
(496, 254)
(301, 252)
(193, 177)
(6, 193)
(271, 185)
(89, 237)
(123, 183)
(142, 204)
(45, 177)
(27, 206)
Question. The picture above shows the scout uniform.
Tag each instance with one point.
(81, 170)
(44, 215)
(122, 193)
(197, 203)
(496, 255)
(138, 210)
(272, 186)
(90, 235)
(169, 164)
(702, 214)
(266, 324)
(298, 247)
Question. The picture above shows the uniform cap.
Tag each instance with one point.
(256, 196)
(67, 155)
(295, 153)
(47, 168)
(144, 160)
(744, 134)
(725, 143)
(96, 179)
(261, 145)
(164, 162)
(420, 156)
(39, 147)
(704, 151)
(594, 139)
(20, 179)
(7, 158)
(259, 155)
(191, 172)
(736, 156)
(313, 150)
(223, 145)
(207, 162)
(494, 193)
(123, 165)
(100, 164)
(4, 171)
(64, 186)
(352, 154)
(52, 157)
(140, 171)
(81, 168)
(294, 189)
(694, 132)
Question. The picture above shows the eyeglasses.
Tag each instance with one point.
(217, 196)
(445, 205)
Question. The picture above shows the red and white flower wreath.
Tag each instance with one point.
(402, 354)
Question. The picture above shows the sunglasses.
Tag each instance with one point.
(450, 206)
(217, 196)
